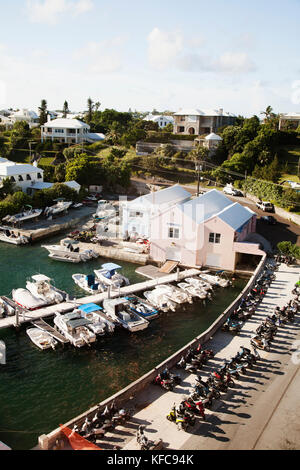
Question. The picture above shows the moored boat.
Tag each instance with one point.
(10, 236)
(109, 275)
(142, 308)
(74, 327)
(41, 338)
(28, 213)
(159, 300)
(40, 286)
(27, 300)
(60, 207)
(175, 294)
(118, 310)
(100, 324)
(89, 283)
(69, 251)
(193, 290)
(215, 280)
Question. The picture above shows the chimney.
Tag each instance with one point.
(48, 117)
(221, 111)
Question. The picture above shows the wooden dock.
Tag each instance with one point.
(28, 317)
(42, 325)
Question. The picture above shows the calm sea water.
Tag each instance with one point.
(41, 389)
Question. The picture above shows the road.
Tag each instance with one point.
(255, 414)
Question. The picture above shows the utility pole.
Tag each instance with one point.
(198, 169)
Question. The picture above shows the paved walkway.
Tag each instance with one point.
(245, 417)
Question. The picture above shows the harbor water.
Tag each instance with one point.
(41, 389)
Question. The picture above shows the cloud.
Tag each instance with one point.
(49, 11)
(170, 50)
(164, 48)
(235, 62)
(102, 57)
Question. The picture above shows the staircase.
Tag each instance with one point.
(168, 267)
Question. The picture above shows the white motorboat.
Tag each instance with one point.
(215, 280)
(6, 308)
(89, 283)
(100, 324)
(118, 310)
(193, 290)
(142, 308)
(41, 339)
(109, 276)
(69, 251)
(75, 328)
(160, 300)
(40, 286)
(9, 236)
(175, 294)
(27, 300)
(28, 213)
(60, 207)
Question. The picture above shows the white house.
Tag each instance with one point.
(137, 214)
(69, 131)
(23, 175)
(200, 121)
(26, 115)
(162, 121)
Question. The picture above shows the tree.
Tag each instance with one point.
(65, 109)
(7, 187)
(43, 113)
(90, 105)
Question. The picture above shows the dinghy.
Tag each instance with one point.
(41, 338)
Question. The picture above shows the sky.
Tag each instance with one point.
(241, 56)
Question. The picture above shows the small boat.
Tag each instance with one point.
(41, 338)
(193, 290)
(215, 280)
(40, 286)
(100, 324)
(2, 354)
(28, 213)
(69, 251)
(109, 276)
(60, 206)
(175, 294)
(118, 310)
(75, 328)
(9, 236)
(89, 283)
(77, 205)
(142, 308)
(27, 300)
(160, 300)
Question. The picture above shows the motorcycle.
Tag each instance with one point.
(195, 407)
(260, 343)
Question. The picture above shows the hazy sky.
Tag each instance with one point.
(239, 55)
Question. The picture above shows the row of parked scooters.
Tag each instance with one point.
(250, 303)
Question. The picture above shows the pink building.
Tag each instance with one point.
(210, 230)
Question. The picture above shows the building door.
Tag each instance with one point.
(173, 254)
(214, 260)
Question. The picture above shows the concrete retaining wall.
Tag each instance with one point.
(47, 442)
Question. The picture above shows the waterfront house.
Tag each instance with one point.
(137, 214)
(23, 175)
(198, 122)
(209, 230)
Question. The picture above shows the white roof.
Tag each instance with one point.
(95, 136)
(213, 136)
(203, 112)
(173, 194)
(64, 123)
(26, 114)
(214, 203)
(156, 118)
(291, 115)
(44, 185)
(10, 169)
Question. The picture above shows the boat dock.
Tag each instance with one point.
(65, 307)
(42, 325)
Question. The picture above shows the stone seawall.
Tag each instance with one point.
(47, 442)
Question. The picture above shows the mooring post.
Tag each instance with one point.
(178, 274)
(108, 292)
(17, 324)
